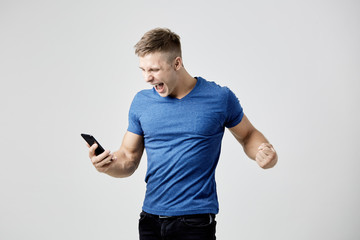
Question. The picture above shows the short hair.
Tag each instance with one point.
(159, 40)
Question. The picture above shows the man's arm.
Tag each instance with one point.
(123, 162)
(255, 145)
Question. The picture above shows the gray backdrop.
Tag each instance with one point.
(68, 67)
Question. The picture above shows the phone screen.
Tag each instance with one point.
(91, 140)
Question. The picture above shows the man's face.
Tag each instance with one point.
(158, 71)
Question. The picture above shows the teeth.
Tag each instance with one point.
(157, 85)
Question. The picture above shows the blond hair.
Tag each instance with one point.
(159, 40)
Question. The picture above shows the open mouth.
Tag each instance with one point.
(159, 87)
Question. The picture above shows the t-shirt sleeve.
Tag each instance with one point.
(134, 117)
(234, 111)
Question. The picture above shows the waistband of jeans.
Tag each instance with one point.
(211, 215)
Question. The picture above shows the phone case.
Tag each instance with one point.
(91, 140)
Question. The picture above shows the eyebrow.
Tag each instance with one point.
(151, 68)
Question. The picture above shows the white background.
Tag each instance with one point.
(68, 67)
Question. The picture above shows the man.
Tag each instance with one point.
(180, 122)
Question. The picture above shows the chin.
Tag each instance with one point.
(163, 94)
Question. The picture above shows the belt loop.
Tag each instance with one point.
(211, 218)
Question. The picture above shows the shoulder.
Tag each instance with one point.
(214, 89)
(143, 95)
(141, 100)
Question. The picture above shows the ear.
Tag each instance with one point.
(178, 63)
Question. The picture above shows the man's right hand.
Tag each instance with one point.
(102, 162)
(121, 163)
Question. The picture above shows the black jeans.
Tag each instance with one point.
(189, 227)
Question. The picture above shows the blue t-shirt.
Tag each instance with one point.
(182, 140)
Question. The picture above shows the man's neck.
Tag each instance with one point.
(186, 84)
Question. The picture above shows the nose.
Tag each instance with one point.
(148, 77)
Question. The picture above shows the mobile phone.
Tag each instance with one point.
(91, 140)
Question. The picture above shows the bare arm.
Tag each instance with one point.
(123, 162)
(255, 145)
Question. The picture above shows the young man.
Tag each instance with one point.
(180, 122)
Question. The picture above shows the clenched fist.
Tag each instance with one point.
(266, 156)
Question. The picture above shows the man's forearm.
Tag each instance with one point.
(123, 165)
(252, 143)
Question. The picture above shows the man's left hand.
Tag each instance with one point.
(266, 156)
